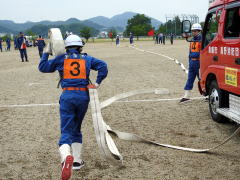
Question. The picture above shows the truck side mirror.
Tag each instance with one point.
(186, 28)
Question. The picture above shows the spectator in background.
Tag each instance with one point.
(156, 38)
(171, 38)
(160, 38)
(34, 42)
(131, 38)
(117, 40)
(163, 38)
(41, 44)
(8, 43)
(15, 43)
(66, 35)
(22, 46)
(1, 44)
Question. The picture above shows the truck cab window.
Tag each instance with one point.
(232, 25)
(211, 29)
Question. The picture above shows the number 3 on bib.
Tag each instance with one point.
(74, 69)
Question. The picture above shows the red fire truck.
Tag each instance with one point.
(220, 59)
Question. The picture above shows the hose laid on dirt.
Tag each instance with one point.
(159, 54)
(133, 137)
(132, 93)
(106, 145)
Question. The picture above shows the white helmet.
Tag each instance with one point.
(196, 26)
(73, 40)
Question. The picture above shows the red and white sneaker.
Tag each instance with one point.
(77, 165)
(67, 168)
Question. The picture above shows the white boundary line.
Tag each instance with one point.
(56, 104)
(27, 105)
(31, 84)
(156, 100)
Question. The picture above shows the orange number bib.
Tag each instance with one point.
(74, 69)
(195, 46)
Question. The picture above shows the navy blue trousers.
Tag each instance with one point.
(193, 72)
(73, 107)
(40, 50)
(23, 53)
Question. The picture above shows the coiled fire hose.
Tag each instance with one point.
(56, 41)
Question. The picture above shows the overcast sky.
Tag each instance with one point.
(37, 10)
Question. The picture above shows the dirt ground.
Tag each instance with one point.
(29, 135)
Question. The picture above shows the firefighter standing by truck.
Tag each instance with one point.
(194, 63)
(74, 69)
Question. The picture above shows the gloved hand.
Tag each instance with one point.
(93, 86)
(47, 49)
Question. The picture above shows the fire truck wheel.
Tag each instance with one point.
(216, 100)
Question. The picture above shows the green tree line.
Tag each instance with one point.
(139, 25)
